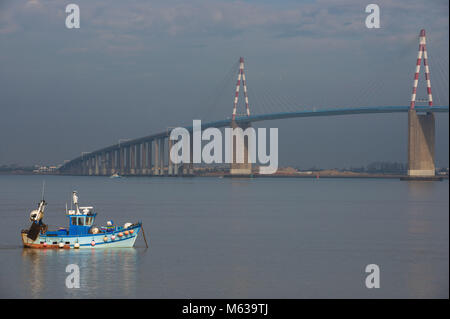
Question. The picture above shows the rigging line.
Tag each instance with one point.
(227, 86)
(441, 88)
(444, 75)
(443, 79)
(256, 100)
(360, 98)
(266, 101)
(287, 104)
(377, 82)
(277, 99)
(375, 89)
(435, 79)
(381, 96)
(445, 85)
(273, 102)
(255, 104)
(443, 68)
(374, 86)
(378, 94)
(262, 100)
(211, 101)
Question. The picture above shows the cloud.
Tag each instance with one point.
(199, 19)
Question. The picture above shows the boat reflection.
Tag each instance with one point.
(104, 273)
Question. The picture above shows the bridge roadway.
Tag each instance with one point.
(258, 118)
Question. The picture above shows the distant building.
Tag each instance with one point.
(45, 169)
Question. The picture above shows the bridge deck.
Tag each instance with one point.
(274, 116)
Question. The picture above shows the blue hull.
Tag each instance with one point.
(120, 238)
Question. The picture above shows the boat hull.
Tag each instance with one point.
(92, 241)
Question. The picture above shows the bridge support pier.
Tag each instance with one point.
(126, 161)
(104, 165)
(112, 162)
(240, 143)
(132, 159)
(91, 166)
(156, 166)
(161, 153)
(138, 170)
(84, 167)
(190, 166)
(149, 157)
(143, 159)
(421, 143)
(170, 164)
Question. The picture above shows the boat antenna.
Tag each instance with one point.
(43, 189)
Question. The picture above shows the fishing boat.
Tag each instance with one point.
(81, 232)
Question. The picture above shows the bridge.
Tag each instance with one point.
(149, 155)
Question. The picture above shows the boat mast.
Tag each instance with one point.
(42, 203)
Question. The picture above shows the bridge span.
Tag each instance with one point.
(148, 155)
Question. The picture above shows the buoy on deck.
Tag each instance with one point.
(105, 239)
(120, 234)
(131, 231)
(61, 245)
(127, 233)
(113, 237)
(92, 243)
(45, 244)
(76, 245)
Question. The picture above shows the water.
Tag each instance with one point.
(236, 238)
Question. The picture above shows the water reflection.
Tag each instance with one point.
(421, 271)
(418, 190)
(103, 272)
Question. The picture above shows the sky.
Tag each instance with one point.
(134, 68)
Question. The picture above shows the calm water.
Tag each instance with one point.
(246, 238)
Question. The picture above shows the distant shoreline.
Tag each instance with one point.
(315, 175)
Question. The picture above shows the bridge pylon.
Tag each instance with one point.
(421, 127)
(239, 142)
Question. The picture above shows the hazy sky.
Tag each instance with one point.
(137, 67)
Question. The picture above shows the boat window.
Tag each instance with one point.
(74, 220)
(88, 221)
(81, 221)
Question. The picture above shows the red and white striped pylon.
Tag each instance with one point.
(422, 51)
(238, 85)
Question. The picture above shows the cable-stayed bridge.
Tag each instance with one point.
(149, 155)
